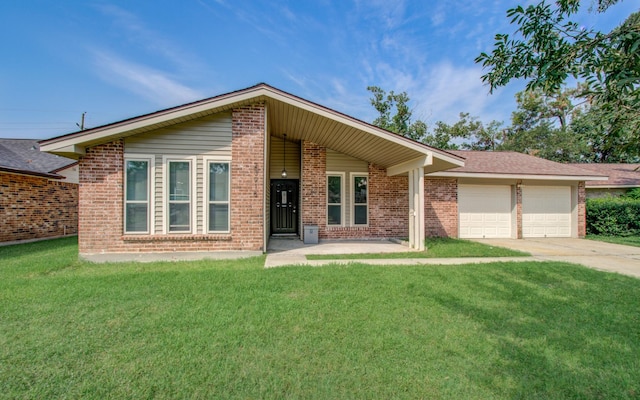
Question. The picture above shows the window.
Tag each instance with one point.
(360, 199)
(335, 196)
(179, 196)
(137, 195)
(218, 197)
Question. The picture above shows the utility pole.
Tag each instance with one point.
(81, 124)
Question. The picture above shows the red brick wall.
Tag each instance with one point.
(101, 197)
(247, 177)
(314, 184)
(388, 200)
(100, 213)
(441, 207)
(34, 207)
(582, 210)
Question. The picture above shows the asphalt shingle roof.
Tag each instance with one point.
(619, 174)
(513, 163)
(25, 155)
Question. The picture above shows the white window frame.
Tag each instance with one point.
(342, 203)
(352, 177)
(205, 195)
(192, 195)
(150, 194)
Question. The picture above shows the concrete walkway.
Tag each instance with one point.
(593, 254)
(590, 253)
(293, 252)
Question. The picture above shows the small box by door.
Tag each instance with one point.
(311, 234)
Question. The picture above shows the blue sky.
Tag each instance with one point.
(119, 59)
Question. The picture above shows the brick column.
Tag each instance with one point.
(314, 185)
(247, 177)
(519, 210)
(582, 210)
(100, 212)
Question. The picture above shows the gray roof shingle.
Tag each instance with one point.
(25, 155)
(513, 163)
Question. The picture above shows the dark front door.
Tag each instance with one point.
(284, 206)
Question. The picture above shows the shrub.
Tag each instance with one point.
(613, 216)
(633, 193)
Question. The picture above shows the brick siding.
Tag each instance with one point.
(101, 197)
(388, 200)
(582, 210)
(441, 207)
(35, 207)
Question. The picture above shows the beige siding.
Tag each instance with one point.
(338, 162)
(209, 136)
(277, 156)
(342, 162)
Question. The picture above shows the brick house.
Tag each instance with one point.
(231, 171)
(38, 192)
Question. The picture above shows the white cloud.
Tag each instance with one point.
(149, 83)
(151, 41)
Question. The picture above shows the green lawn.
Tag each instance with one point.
(629, 240)
(436, 248)
(233, 329)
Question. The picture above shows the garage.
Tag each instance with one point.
(484, 211)
(546, 211)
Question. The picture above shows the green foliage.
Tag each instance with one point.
(633, 194)
(467, 133)
(400, 122)
(547, 48)
(611, 216)
(436, 248)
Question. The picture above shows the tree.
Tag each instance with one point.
(467, 133)
(540, 126)
(400, 122)
(547, 48)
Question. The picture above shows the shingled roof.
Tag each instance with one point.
(620, 175)
(24, 156)
(510, 163)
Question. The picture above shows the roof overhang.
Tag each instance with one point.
(611, 186)
(445, 174)
(31, 173)
(287, 114)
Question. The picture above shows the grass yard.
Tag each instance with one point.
(436, 248)
(629, 240)
(232, 329)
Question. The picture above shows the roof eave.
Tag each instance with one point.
(74, 145)
(485, 175)
(31, 173)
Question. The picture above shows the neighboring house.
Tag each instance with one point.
(38, 192)
(229, 172)
(622, 177)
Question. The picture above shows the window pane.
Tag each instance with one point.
(179, 217)
(334, 215)
(179, 180)
(360, 215)
(334, 187)
(137, 177)
(136, 217)
(218, 182)
(360, 190)
(218, 217)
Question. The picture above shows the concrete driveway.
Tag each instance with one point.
(590, 253)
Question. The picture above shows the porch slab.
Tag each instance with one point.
(292, 251)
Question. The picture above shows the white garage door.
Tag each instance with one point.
(546, 211)
(484, 211)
